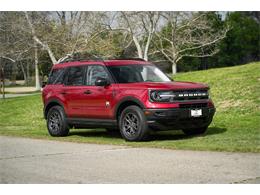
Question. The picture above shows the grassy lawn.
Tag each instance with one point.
(236, 125)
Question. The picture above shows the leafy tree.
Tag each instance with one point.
(188, 34)
(242, 42)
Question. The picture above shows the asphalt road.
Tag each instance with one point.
(25, 160)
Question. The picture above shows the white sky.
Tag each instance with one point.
(131, 5)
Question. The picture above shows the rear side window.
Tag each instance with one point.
(75, 75)
(56, 76)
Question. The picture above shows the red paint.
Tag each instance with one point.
(78, 104)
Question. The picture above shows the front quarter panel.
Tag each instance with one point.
(126, 92)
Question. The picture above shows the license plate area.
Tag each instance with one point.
(196, 112)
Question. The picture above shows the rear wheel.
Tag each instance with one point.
(132, 124)
(56, 122)
(195, 131)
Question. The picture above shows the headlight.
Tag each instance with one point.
(162, 96)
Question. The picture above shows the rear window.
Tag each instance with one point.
(56, 76)
(75, 75)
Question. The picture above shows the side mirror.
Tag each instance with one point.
(102, 82)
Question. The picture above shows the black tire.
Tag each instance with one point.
(56, 122)
(195, 131)
(133, 125)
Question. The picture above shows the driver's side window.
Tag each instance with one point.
(94, 73)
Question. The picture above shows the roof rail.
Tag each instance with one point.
(86, 56)
(138, 59)
(80, 57)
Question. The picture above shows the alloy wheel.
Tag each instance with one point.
(130, 124)
(54, 121)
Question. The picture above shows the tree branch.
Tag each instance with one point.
(5, 57)
(37, 40)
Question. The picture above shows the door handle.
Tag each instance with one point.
(63, 93)
(87, 92)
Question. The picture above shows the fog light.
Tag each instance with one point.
(147, 112)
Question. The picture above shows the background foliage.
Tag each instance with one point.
(118, 35)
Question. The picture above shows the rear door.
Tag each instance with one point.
(74, 92)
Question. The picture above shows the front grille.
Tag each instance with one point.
(191, 95)
(195, 105)
(173, 96)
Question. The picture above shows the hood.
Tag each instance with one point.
(174, 85)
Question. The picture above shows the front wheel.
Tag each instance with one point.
(195, 131)
(56, 122)
(132, 124)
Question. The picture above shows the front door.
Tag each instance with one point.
(98, 98)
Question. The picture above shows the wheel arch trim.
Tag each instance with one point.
(125, 100)
(48, 106)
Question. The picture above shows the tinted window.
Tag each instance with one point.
(56, 76)
(94, 73)
(138, 73)
(75, 75)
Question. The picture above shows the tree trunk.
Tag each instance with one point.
(14, 73)
(37, 77)
(2, 79)
(28, 62)
(138, 47)
(51, 54)
(146, 55)
(174, 68)
(147, 46)
(24, 73)
(47, 48)
(37, 40)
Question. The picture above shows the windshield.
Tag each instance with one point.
(138, 73)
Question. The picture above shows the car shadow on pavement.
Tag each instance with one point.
(178, 135)
(161, 135)
(96, 133)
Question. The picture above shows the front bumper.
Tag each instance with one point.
(178, 118)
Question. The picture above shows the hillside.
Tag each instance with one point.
(232, 87)
(236, 126)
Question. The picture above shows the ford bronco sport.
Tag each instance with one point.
(133, 96)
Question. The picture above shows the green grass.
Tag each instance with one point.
(236, 125)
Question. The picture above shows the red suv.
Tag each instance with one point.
(132, 96)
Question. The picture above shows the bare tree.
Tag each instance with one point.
(141, 27)
(187, 34)
(15, 43)
(38, 41)
(62, 34)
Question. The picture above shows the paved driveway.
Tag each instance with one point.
(19, 92)
(20, 89)
(25, 160)
(17, 95)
